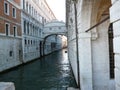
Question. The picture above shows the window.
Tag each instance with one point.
(24, 4)
(25, 42)
(111, 52)
(14, 12)
(31, 42)
(24, 27)
(15, 31)
(10, 53)
(29, 9)
(7, 29)
(6, 8)
(27, 6)
(28, 28)
(59, 27)
(32, 10)
(20, 53)
(50, 28)
(28, 42)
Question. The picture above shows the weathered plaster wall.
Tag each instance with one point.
(10, 52)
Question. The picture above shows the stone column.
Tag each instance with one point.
(85, 61)
(84, 11)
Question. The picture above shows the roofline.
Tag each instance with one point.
(50, 9)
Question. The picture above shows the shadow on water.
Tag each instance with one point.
(51, 72)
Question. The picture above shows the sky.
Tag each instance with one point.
(58, 8)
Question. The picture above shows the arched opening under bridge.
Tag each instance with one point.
(53, 42)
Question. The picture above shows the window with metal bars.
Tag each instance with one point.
(111, 53)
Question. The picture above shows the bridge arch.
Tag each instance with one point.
(46, 37)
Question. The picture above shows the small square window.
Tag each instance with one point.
(59, 27)
(50, 28)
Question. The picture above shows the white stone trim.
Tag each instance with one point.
(14, 4)
(10, 21)
(7, 8)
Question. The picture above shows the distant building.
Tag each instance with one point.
(35, 13)
(10, 34)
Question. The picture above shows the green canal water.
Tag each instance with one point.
(52, 72)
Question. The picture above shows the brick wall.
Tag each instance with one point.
(9, 18)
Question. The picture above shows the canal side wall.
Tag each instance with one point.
(10, 52)
(72, 50)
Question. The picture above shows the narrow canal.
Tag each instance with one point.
(52, 72)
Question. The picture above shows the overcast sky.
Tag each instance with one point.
(58, 8)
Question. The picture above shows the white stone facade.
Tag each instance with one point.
(93, 46)
(115, 19)
(35, 13)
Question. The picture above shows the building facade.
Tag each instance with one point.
(35, 13)
(93, 43)
(10, 34)
(22, 25)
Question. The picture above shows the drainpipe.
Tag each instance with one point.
(77, 48)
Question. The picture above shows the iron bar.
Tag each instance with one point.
(97, 24)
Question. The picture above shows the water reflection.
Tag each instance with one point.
(52, 72)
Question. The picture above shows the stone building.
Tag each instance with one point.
(93, 43)
(54, 36)
(35, 13)
(10, 34)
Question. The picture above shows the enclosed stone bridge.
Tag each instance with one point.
(53, 29)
